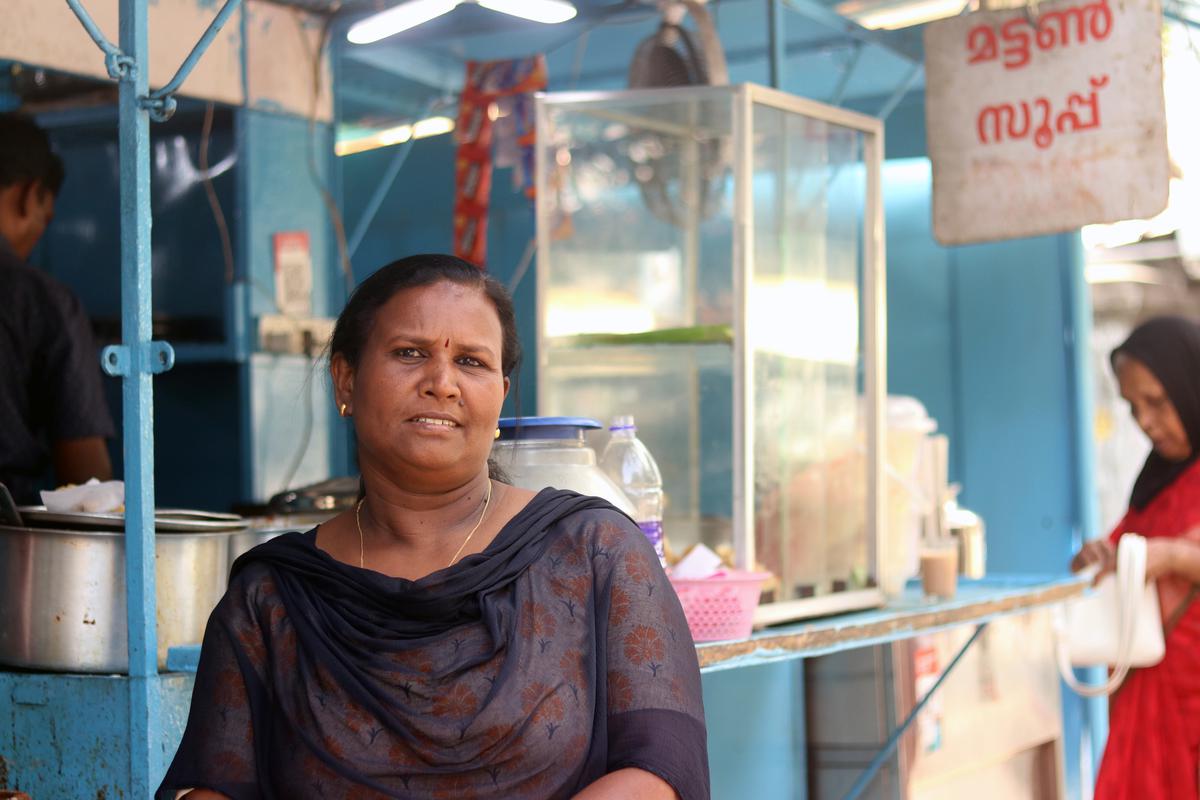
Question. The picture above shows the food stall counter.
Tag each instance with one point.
(909, 615)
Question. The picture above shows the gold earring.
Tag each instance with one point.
(342, 409)
(497, 436)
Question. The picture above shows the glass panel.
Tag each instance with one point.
(636, 290)
(638, 293)
(681, 397)
(639, 208)
(810, 467)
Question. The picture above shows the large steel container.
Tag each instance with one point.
(263, 529)
(62, 595)
(536, 452)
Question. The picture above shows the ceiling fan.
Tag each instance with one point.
(412, 13)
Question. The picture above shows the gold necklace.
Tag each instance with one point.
(358, 524)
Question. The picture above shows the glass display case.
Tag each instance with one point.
(710, 260)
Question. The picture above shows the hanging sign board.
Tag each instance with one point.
(1040, 124)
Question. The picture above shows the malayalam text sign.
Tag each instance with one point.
(1043, 124)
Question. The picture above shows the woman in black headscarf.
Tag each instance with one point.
(452, 635)
(1153, 750)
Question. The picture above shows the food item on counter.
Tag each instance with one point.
(939, 568)
(91, 497)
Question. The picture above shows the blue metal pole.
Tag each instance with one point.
(93, 29)
(378, 196)
(1079, 712)
(776, 42)
(906, 83)
(868, 774)
(144, 717)
(197, 53)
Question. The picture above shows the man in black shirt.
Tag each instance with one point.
(52, 407)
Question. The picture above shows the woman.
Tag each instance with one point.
(451, 636)
(1153, 749)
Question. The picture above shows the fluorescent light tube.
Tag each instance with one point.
(422, 129)
(433, 126)
(893, 15)
(547, 11)
(400, 18)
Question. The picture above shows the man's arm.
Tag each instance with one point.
(77, 460)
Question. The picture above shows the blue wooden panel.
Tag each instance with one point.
(1017, 411)
(278, 194)
(921, 340)
(755, 746)
(67, 736)
(281, 196)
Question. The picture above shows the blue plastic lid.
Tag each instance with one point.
(545, 427)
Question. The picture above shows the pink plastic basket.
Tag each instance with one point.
(720, 607)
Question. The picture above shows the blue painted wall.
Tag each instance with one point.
(416, 218)
(280, 189)
(982, 335)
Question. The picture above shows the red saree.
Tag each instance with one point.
(1153, 750)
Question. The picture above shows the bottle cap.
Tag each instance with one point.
(623, 422)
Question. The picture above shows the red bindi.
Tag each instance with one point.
(447, 343)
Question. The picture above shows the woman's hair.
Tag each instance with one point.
(354, 324)
(25, 154)
(1170, 348)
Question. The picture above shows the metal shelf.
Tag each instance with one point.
(977, 602)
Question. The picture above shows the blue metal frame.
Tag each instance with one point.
(137, 392)
(124, 60)
(138, 358)
(160, 102)
(377, 197)
(776, 42)
(864, 780)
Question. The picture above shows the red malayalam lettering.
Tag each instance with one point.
(1081, 24)
(995, 123)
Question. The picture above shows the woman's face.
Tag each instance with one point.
(1152, 409)
(428, 388)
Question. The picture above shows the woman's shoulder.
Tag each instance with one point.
(600, 531)
(252, 576)
(587, 516)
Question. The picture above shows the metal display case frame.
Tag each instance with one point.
(614, 105)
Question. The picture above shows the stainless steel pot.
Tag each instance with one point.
(62, 595)
(263, 529)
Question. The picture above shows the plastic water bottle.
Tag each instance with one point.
(627, 461)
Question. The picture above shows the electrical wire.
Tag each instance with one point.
(331, 207)
(214, 203)
(222, 223)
